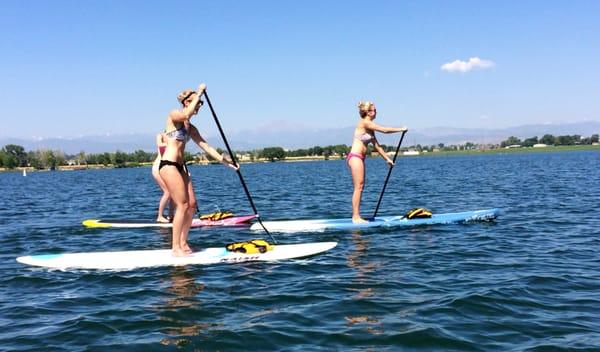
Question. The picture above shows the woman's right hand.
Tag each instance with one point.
(403, 129)
(226, 160)
(201, 88)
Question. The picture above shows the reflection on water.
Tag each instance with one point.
(184, 292)
(184, 288)
(373, 325)
(363, 269)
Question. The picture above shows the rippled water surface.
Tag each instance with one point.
(529, 281)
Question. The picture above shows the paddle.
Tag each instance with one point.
(388, 175)
(238, 171)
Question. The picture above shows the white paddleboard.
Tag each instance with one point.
(126, 260)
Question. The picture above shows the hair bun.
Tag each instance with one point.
(181, 97)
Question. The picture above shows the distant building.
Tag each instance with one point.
(411, 152)
(540, 145)
(244, 157)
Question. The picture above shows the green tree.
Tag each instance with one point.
(141, 156)
(317, 150)
(273, 153)
(118, 159)
(47, 159)
(59, 158)
(17, 155)
(341, 150)
(327, 151)
(547, 139)
(92, 159)
(105, 158)
(594, 138)
(33, 160)
(8, 161)
(529, 142)
(564, 140)
(187, 156)
(80, 158)
(512, 140)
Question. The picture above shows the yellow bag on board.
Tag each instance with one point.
(219, 215)
(250, 247)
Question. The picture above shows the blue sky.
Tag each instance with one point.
(73, 68)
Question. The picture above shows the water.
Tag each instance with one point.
(529, 281)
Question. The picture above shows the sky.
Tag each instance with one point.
(77, 68)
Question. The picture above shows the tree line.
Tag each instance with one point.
(12, 155)
(549, 139)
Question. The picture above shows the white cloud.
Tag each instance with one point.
(466, 66)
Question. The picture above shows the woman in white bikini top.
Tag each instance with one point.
(172, 168)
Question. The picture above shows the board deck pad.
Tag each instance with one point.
(127, 260)
(381, 221)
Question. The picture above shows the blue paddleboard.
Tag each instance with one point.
(380, 221)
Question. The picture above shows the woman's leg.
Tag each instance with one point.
(164, 199)
(162, 204)
(178, 191)
(357, 168)
(189, 215)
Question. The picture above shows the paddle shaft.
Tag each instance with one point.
(388, 175)
(238, 171)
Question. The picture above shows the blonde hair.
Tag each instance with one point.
(183, 96)
(363, 108)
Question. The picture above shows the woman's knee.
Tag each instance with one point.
(359, 185)
(192, 204)
(182, 204)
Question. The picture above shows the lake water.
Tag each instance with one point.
(527, 282)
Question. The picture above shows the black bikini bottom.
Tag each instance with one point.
(182, 168)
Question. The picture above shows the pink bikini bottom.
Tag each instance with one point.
(356, 155)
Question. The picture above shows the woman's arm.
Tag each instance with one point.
(382, 152)
(201, 142)
(375, 127)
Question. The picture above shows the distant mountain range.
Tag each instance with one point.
(299, 138)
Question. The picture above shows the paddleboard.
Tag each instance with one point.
(233, 221)
(127, 260)
(384, 221)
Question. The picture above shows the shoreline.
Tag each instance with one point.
(569, 148)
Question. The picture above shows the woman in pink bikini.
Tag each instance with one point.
(161, 143)
(172, 168)
(363, 135)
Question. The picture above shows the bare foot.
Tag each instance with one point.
(179, 253)
(186, 248)
(359, 220)
(162, 220)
